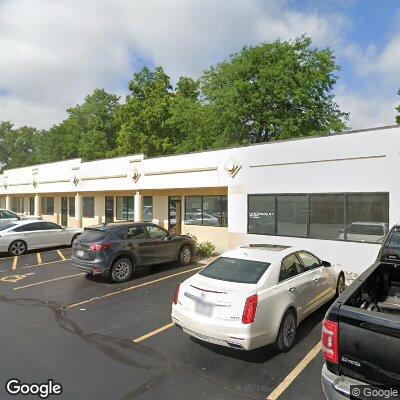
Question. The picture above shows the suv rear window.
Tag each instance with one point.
(6, 225)
(235, 270)
(91, 235)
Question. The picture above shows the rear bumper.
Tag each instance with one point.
(337, 387)
(231, 334)
(90, 266)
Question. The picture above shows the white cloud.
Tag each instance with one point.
(53, 53)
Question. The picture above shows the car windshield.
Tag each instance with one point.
(235, 270)
(91, 235)
(6, 225)
(366, 229)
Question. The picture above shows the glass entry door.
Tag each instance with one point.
(64, 211)
(109, 209)
(175, 215)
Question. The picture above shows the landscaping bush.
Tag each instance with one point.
(205, 249)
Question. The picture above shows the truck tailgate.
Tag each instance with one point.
(369, 344)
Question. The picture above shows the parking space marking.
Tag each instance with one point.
(150, 334)
(61, 255)
(48, 281)
(14, 264)
(36, 265)
(131, 288)
(295, 373)
(39, 258)
(15, 278)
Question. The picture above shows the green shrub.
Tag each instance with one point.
(205, 249)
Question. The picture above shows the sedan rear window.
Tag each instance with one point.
(91, 235)
(235, 270)
(6, 225)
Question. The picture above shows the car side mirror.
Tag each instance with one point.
(326, 264)
(167, 237)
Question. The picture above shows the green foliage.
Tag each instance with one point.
(205, 249)
(276, 90)
(398, 110)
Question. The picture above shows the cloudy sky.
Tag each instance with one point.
(54, 52)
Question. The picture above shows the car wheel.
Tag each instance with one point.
(185, 255)
(122, 270)
(17, 248)
(287, 331)
(341, 285)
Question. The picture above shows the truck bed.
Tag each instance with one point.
(368, 316)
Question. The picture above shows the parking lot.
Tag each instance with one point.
(101, 340)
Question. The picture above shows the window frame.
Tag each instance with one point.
(202, 210)
(44, 205)
(345, 200)
(124, 198)
(312, 255)
(70, 203)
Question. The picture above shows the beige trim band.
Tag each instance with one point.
(20, 184)
(316, 161)
(93, 178)
(180, 171)
(55, 181)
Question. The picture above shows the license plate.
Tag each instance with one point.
(203, 308)
(80, 253)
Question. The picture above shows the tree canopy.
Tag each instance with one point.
(276, 90)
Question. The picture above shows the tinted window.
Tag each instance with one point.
(88, 207)
(193, 207)
(71, 206)
(156, 232)
(262, 214)
(290, 267)
(48, 205)
(36, 226)
(308, 260)
(50, 225)
(326, 216)
(135, 232)
(7, 214)
(5, 226)
(366, 229)
(206, 210)
(212, 209)
(148, 208)
(292, 215)
(91, 235)
(235, 270)
(125, 208)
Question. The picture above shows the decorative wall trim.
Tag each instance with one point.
(93, 178)
(55, 181)
(180, 171)
(316, 161)
(75, 168)
(20, 184)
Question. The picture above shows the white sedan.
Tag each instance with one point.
(255, 295)
(17, 237)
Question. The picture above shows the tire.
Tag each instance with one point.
(17, 248)
(185, 255)
(287, 331)
(122, 270)
(341, 285)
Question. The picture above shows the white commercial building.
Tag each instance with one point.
(335, 195)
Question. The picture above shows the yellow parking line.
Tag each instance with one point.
(15, 262)
(35, 265)
(61, 255)
(131, 288)
(49, 280)
(295, 373)
(150, 334)
(39, 258)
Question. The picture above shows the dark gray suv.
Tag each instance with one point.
(118, 248)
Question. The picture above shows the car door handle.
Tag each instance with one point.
(292, 289)
(316, 279)
(130, 244)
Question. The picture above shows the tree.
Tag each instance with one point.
(274, 90)
(143, 118)
(398, 110)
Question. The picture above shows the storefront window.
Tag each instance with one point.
(88, 207)
(292, 215)
(125, 208)
(71, 206)
(17, 204)
(148, 208)
(48, 205)
(206, 210)
(262, 214)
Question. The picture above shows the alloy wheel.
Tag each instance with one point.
(186, 255)
(122, 270)
(341, 285)
(289, 330)
(18, 247)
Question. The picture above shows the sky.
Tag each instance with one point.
(54, 53)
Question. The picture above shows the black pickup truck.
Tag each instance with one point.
(361, 330)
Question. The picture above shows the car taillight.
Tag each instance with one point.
(250, 308)
(176, 295)
(100, 247)
(330, 341)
